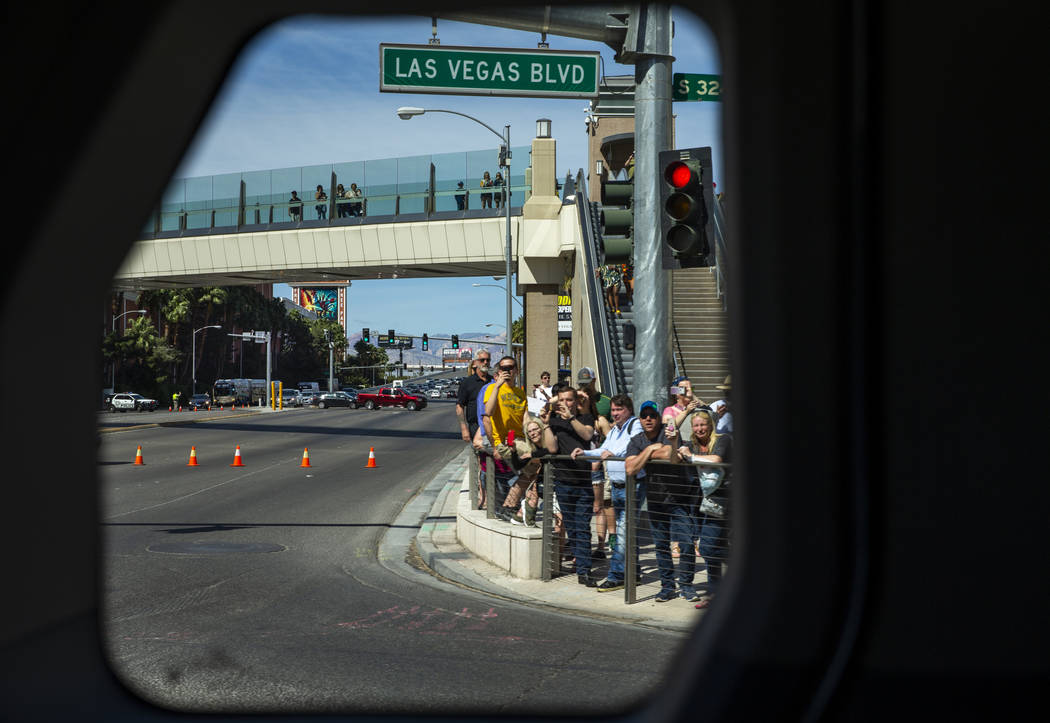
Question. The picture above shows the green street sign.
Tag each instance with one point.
(695, 86)
(452, 70)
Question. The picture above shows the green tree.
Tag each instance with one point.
(143, 357)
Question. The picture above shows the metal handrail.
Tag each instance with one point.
(721, 254)
(599, 321)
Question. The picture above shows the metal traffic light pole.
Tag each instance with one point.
(652, 101)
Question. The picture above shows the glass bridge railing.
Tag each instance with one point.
(389, 187)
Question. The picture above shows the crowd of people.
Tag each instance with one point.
(679, 457)
(348, 202)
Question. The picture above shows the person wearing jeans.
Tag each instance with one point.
(666, 490)
(624, 426)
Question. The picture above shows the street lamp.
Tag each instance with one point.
(408, 112)
(113, 368)
(498, 286)
(193, 357)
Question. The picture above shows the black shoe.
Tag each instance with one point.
(587, 580)
(609, 586)
(598, 554)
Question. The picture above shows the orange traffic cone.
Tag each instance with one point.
(371, 458)
(306, 458)
(237, 458)
(193, 458)
(138, 455)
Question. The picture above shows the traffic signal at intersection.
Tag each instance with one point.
(426, 344)
(617, 220)
(366, 337)
(685, 199)
(455, 341)
(390, 337)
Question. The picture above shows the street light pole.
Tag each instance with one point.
(113, 366)
(405, 113)
(193, 358)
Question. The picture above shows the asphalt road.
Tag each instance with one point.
(267, 587)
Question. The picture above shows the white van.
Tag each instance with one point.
(398, 384)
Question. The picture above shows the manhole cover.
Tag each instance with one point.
(215, 547)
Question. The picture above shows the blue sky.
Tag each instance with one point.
(305, 91)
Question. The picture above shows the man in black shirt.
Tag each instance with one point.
(466, 402)
(467, 410)
(578, 498)
(668, 492)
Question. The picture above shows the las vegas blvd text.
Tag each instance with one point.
(479, 70)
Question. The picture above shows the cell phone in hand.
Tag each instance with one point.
(675, 390)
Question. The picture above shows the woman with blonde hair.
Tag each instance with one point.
(712, 517)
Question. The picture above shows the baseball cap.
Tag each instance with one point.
(650, 405)
(586, 375)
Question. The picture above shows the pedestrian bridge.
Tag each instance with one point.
(412, 220)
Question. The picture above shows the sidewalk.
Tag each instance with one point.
(440, 549)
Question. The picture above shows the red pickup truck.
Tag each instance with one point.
(391, 397)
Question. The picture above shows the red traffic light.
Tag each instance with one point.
(679, 174)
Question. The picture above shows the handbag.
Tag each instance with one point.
(709, 507)
(710, 480)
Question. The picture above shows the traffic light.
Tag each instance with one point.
(366, 337)
(685, 197)
(426, 344)
(617, 220)
(455, 341)
(390, 337)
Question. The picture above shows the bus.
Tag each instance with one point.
(259, 391)
(231, 391)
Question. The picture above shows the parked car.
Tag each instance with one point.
(199, 401)
(452, 392)
(336, 399)
(309, 399)
(131, 402)
(390, 397)
(434, 393)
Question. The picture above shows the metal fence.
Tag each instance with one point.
(673, 523)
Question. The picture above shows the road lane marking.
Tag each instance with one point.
(192, 494)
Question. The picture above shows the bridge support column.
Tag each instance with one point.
(541, 333)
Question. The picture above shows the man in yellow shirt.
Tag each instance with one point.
(505, 406)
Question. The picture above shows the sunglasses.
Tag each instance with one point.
(507, 369)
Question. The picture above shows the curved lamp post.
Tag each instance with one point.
(193, 358)
(113, 369)
(503, 288)
(408, 112)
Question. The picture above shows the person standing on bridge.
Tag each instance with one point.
(321, 208)
(355, 204)
(342, 208)
(497, 183)
(295, 207)
(486, 198)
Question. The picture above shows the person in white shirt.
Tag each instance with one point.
(544, 391)
(624, 425)
(724, 418)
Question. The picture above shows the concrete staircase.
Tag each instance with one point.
(700, 344)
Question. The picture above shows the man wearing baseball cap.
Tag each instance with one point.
(667, 493)
(586, 379)
(724, 424)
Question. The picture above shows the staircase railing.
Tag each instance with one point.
(590, 235)
(679, 369)
(721, 255)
